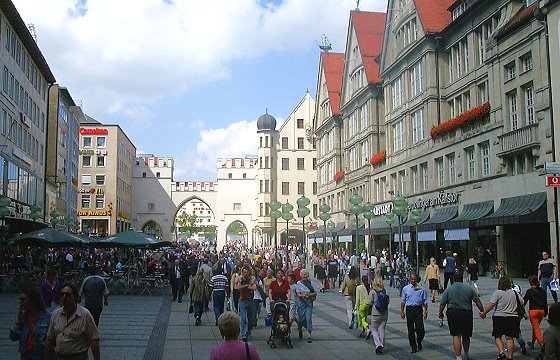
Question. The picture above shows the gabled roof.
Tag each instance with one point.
(369, 27)
(333, 66)
(434, 14)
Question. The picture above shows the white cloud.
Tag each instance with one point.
(236, 140)
(119, 57)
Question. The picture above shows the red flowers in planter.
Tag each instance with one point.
(463, 119)
(339, 175)
(377, 158)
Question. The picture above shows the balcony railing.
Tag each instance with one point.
(518, 139)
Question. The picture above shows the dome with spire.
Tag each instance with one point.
(266, 122)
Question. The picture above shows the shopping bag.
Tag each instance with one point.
(191, 308)
(268, 320)
(554, 285)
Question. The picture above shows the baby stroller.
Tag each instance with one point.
(280, 329)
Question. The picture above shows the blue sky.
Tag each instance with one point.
(188, 78)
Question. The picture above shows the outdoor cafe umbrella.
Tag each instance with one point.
(49, 237)
(131, 239)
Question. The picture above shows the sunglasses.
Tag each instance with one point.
(65, 294)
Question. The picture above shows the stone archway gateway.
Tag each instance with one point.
(237, 232)
(152, 228)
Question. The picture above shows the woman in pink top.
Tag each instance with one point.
(231, 348)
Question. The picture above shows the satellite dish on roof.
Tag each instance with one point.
(325, 44)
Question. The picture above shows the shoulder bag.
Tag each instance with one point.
(520, 308)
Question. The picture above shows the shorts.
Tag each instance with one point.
(505, 325)
(460, 322)
(434, 284)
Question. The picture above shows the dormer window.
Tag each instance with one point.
(462, 8)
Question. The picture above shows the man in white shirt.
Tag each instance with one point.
(354, 261)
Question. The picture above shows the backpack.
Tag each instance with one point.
(351, 287)
(382, 301)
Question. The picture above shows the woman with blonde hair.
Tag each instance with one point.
(472, 270)
(379, 314)
(432, 276)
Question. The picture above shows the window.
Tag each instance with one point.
(526, 63)
(299, 123)
(364, 110)
(482, 97)
(397, 93)
(417, 126)
(100, 161)
(510, 71)
(86, 160)
(285, 188)
(158, 174)
(230, 175)
(314, 163)
(301, 164)
(86, 141)
(512, 101)
(267, 186)
(100, 201)
(266, 141)
(86, 199)
(471, 163)
(530, 104)
(398, 141)
(266, 162)
(284, 142)
(416, 79)
(485, 158)
(481, 45)
(440, 172)
(99, 180)
(100, 141)
(244, 175)
(86, 180)
(300, 143)
(314, 187)
(425, 176)
(415, 184)
(143, 174)
(285, 164)
(301, 188)
(452, 169)
(236, 207)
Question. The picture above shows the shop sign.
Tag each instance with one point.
(98, 191)
(551, 167)
(442, 198)
(382, 209)
(93, 131)
(94, 212)
(92, 152)
(553, 181)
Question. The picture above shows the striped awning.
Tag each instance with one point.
(443, 215)
(513, 208)
(475, 211)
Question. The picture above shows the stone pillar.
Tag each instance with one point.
(501, 247)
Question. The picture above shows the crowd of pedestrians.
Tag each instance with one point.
(245, 285)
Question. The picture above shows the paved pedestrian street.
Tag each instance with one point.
(153, 328)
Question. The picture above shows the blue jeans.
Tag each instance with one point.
(218, 300)
(545, 283)
(256, 311)
(305, 314)
(197, 305)
(246, 310)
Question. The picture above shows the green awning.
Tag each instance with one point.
(475, 211)
(339, 227)
(518, 209)
(425, 215)
(443, 215)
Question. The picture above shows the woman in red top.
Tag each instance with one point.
(279, 289)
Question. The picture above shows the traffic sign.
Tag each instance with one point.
(551, 167)
(553, 181)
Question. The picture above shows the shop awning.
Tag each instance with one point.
(427, 235)
(338, 227)
(475, 211)
(423, 218)
(513, 208)
(379, 225)
(443, 215)
(456, 234)
(320, 231)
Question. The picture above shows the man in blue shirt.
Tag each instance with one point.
(414, 298)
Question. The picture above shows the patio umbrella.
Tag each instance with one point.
(48, 237)
(131, 239)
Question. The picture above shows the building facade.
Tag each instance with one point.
(105, 178)
(62, 157)
(23, 119)
(287, 164)
(468, 126)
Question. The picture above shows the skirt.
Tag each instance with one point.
(505, 326)
(434, 284)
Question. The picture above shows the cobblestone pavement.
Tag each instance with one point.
(154, 328)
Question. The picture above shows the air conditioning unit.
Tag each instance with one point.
(24, 119)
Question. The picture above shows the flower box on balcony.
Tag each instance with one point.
(338, 176)
(377, 158)
(463, 119)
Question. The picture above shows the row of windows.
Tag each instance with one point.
(100, 141)
(99, 201)
(21, 185)
(326, 143)
(300, 188)
(99, 179)
(86, 160)
(358, 120)
(520, 116)
(418, 126)
(396, 87)
(300, 164)
(18, 134)
(15, 91)
(17, 50)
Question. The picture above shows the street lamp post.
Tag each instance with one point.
(400, 209)
(329, 228)
(356, 209)
(390, 221)
(325, 216)
(415, 216)
(287, 215)
(302, 212)
(275, 214)
(368, 214)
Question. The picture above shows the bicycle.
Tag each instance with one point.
(499, 270)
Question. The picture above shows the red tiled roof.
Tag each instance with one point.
(519, 18)
(433, 14)
(369, 27)
(333, 65)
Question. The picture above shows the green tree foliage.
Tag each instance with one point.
(187, 222)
